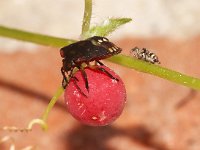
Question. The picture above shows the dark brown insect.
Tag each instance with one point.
(95, 49)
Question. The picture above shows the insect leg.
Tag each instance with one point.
(104, 71)
(64, 80)
(75, 81)
(100, 63)
(79, 89)
(85, 77)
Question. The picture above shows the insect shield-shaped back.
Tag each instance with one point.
(92, 49)
(103, 47)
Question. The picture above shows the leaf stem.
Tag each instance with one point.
(52, 103)
(157, 70)
(136, 64)
(86, 17)
(34, 37)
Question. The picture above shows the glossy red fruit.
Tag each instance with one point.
(102, 104)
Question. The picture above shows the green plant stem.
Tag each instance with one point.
(157, 70)
(142, 66)
(86, 17)
(34, 37)
(52, 102)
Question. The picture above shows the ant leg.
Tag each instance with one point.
(64, 80)
(85, 77)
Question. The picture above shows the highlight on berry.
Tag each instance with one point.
(145, 55)
(79, 55)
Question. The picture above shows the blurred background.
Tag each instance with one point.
(159, 115)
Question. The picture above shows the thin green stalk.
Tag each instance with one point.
(52, 102)
(142, 66)
(34, 37)
(43, 120)
(157, 70)
(86, 17)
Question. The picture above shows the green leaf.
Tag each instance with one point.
(106, 27)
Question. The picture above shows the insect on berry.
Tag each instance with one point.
(95, 49)
(145, 55)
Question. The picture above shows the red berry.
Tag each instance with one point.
(102, 104)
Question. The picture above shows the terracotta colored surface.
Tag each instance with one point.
(159, 115)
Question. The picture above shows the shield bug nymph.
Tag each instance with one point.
(145, 55)
(95, 49)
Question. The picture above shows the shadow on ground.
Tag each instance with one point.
(89, 138)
